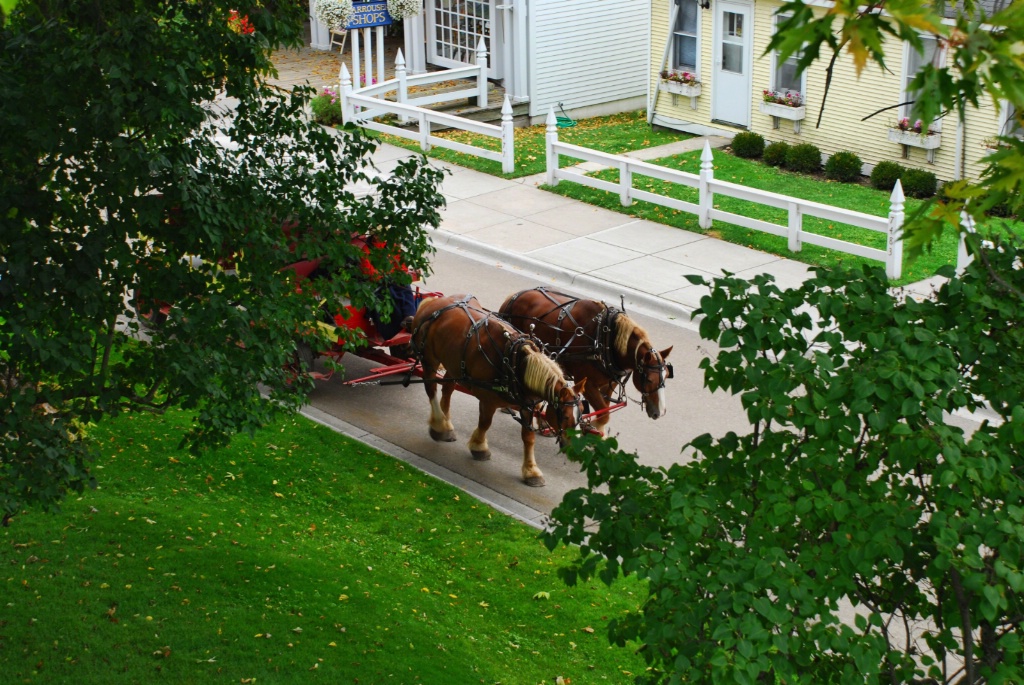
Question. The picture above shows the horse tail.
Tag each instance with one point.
(407, 324)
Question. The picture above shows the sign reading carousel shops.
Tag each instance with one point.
(369, 14)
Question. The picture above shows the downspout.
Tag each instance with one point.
(960, 161)
(652, 97)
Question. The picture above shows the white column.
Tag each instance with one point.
(356, 68)
(368, 44)
(520, 72)
(481, 79)
(380, 53)
(319, 36)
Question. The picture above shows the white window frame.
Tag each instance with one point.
(775, 66)
(695, 69)
(908, 53)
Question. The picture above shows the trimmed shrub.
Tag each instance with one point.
(748, 145)
(804, 158)
(919, 183)
(885, 174)
(775, 153)
(843, 166)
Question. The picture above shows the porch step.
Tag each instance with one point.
(491, 114)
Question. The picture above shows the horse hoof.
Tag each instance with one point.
(535, 481)
(446, 436)
(481, 455)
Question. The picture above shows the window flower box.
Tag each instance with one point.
(926, 141)
(690, 90)
(779, 111)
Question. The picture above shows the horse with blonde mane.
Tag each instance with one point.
(595, 342)
(499, 365)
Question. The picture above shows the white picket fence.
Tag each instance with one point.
(361, 106)
(708, 187)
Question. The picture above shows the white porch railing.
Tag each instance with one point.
(361, 106)
(707, 187)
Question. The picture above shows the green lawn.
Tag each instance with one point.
(614, 134)
(296, 556)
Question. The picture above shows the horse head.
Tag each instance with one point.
(648, 365)
(649, 374)
(564, 410)
(545, 378)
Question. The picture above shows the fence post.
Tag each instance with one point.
(481, 79)
(796, 224)
(508, 138)
(894, 260)
(403, 86)
(625, 184)
(550, 154)
(963, 258)
(424, 131)
(706, 198)
(347, 111)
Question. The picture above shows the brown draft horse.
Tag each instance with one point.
(497, 364)
(595, 342)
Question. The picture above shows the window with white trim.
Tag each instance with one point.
(784, 74)
(684, 36)
(913, 63)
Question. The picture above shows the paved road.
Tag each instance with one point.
(389, 416)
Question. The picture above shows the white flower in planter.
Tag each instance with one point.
(403, 9)
(334, 14)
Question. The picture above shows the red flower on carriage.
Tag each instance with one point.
(240, 23)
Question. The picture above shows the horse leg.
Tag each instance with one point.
(532, 475)
(478, 441)
(447, 390)
(598, 403)
(441, 429)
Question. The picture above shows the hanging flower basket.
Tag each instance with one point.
(334, 14)
(403, 9)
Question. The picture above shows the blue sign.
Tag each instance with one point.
(369, 14)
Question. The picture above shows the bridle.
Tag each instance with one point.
(663, 368)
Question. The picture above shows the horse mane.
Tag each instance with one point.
(542, 374)
(624, 329)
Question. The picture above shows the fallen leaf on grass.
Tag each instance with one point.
(542, 595)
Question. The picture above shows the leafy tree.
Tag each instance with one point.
(857, 533)
(144, 158)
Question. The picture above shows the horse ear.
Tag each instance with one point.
(664, 353)
(578, 388)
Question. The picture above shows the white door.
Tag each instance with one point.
(731, 85)
(455, 27)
